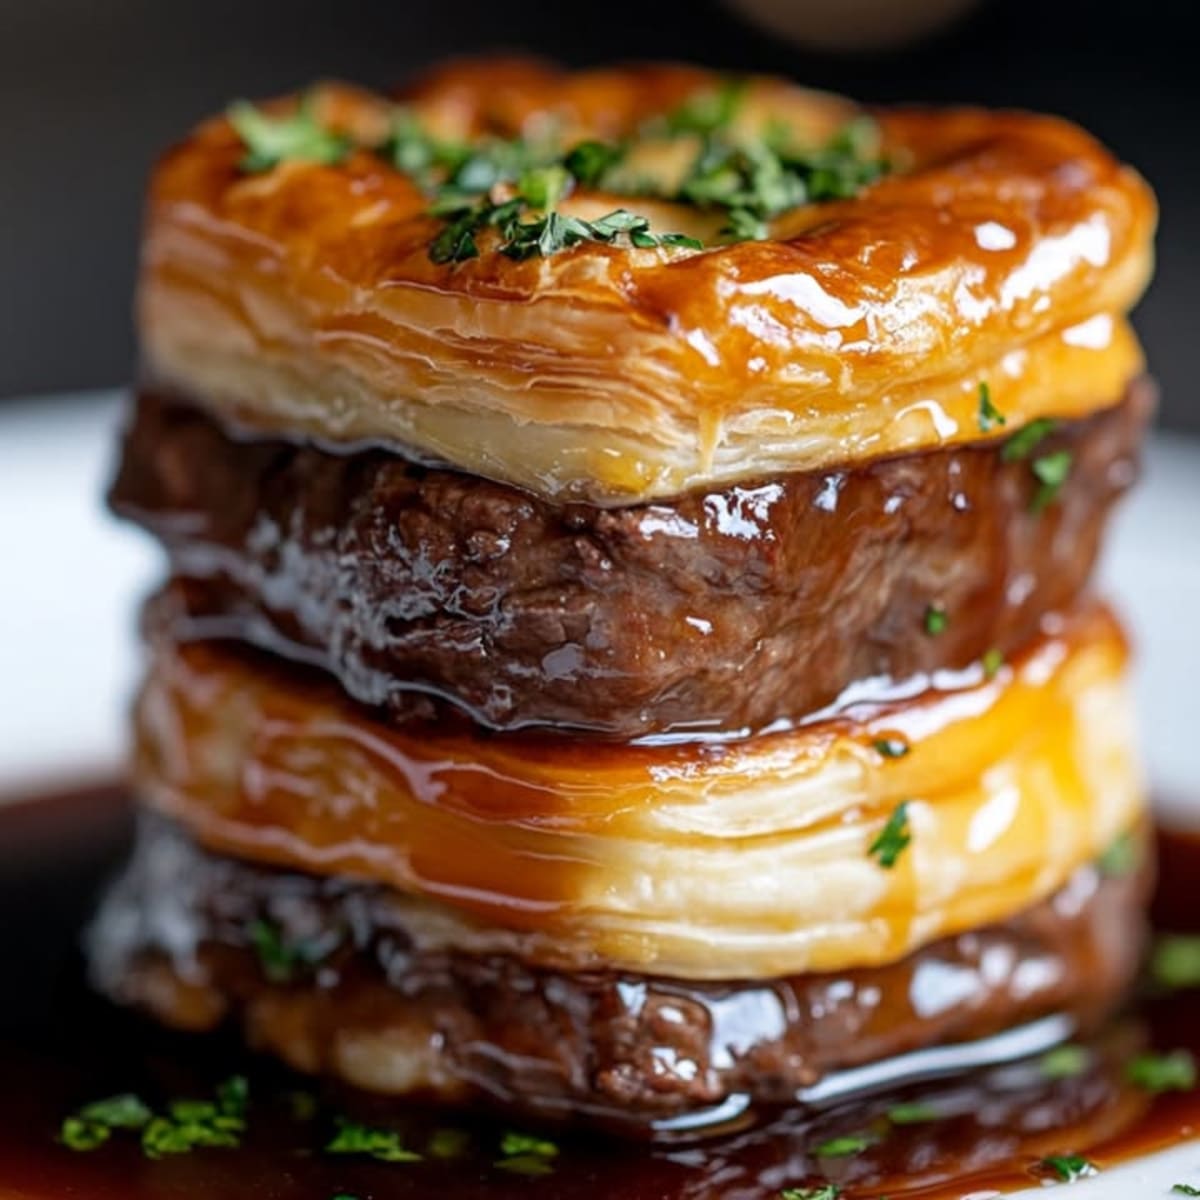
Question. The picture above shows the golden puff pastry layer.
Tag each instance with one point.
(1002, 248)
(735, 860)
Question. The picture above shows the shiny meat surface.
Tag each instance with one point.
(428, 591)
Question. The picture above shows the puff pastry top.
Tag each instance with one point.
(1003, 248)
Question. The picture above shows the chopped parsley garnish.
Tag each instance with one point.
(513, 186)
(893, 839)
(385, 1145)
(891, 747)
(990, 417)
(1022, 443)
(524, 1154)
(543, 235)
(298, 137)
(707, 111)
(1175, 962)
(843, 1147)
(93, 1124)
(936, 620)
(1069, 1167)
(992, 661)
(1065, 1062)
(916, 1112)
(78, 1134)
(1185, 1189)
(187, 1124)
(282, 960)
(1155, 1073)
(196, 1124)
(590, 161)
(1121, 857)
(756, 181)
(1051, 471)
(827, 1191)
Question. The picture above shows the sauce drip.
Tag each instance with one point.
(61, 1048)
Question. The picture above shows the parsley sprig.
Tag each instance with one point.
(893, 839)
(525, 1154)
(1156, 1073)
(529, 223)
(186, 1125)
(1069, 1167)
(384, 1145)
(756, 181)
(486, 184)
(298, 136)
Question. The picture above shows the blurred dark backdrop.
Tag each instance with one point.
(90, 91)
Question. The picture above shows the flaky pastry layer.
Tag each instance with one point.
(1003, 248)
(732, 860)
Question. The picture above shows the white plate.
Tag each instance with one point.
(73, 577)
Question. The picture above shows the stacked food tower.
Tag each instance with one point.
(628, 651)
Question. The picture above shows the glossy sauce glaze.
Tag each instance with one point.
(719, 614)
(60, 1048)
(725, 861)
(1005, 246)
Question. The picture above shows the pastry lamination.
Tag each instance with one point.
(627, 649)
(304, 300)
(735, 860)
(429, 592)
(343, 978)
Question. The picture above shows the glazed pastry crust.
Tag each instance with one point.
(740, 860)
(1005, 248)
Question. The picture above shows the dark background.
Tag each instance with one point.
(91, 89)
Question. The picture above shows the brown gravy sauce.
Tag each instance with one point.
(60, 1048)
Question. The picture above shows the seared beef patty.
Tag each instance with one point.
(327, 974)
(724, 611)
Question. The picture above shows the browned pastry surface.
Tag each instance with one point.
(1004, 247)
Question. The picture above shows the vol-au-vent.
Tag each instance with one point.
(628, 651)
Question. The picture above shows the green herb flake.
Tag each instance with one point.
(80, 1135)
(990, 417)
(1185, 1189)
(1065, 1062)
(1051, 471)
(93, 1125)
(707, 111)
(590, 161)
(916, 1112)
(1175, 961)
(991, 662)
(385, 1145)
(345, 1196)
(893, 839)
(1157, 1073)
(125, 1111)
(1026, 440)
(844, 1147)
(297, 137)
(1121, 857)
(891, 747)
(1069, 1167)
(936, 620)
(282, 960)
(827, 1191)
(525, 1154)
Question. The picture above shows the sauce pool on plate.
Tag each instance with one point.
(1046, 1118)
